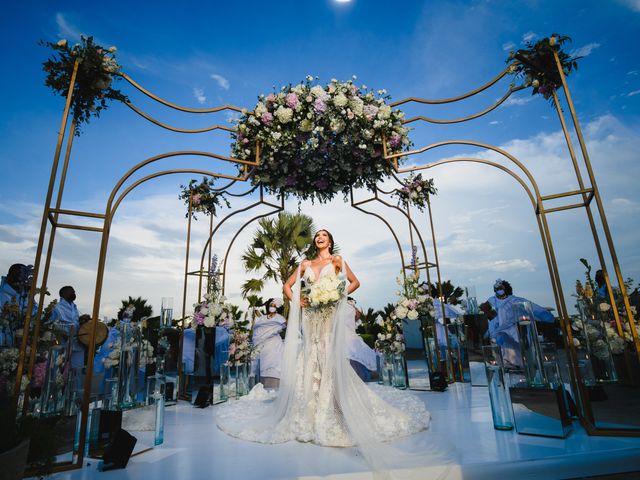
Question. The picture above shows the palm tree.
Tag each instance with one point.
(141, 308)
(451, 294)
(277, 247)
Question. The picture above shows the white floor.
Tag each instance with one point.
(195, 449)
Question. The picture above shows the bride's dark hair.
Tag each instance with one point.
(315, 249)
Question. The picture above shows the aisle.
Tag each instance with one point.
(195, 449)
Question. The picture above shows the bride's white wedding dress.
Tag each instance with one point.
(321, 398)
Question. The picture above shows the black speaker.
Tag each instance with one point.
(117, 454)
(203, 397)
(437, 381)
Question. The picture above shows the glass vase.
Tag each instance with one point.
(596, 339)
(380, 368)
(56, 365)
(242, 379)
(501, 410)
(529, 344)
(387, 370)
(225, 382)
(399, 371)
(128, 378)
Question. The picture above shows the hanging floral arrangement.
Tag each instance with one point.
(317, 140)
(537, 66)
(204, 198)
(97, 69)
(416, 191)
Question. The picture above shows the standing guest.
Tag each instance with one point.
(66, 318)
(503, 324)
(269, 343)
(601, 286)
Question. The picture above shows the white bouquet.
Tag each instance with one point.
(324, 292)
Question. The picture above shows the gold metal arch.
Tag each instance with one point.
(587, 191)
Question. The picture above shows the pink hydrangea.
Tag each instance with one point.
(266, 118)
(232, 349)
(370, 111)
(319, 105)
(292, 100)
(196, 199)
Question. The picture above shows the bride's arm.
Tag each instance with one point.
(354, 283)
(292, 279)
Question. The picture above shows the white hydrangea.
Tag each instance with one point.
(284, 114)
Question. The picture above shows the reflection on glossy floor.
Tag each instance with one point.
(195, 449)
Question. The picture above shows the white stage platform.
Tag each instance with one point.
(195, 449)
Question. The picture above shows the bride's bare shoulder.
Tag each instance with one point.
(304, 264)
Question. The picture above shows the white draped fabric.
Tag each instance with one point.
(266, 337)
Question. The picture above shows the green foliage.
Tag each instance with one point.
(451, 293)
(142, 309)
(276, 249)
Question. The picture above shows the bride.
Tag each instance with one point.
(321, 398)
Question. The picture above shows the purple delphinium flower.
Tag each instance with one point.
(321, 183)
(292, 100)
(290, 181)
(266, 118)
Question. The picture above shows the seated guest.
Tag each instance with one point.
(66, 319)
(361, 356)
(15, 287)
(503, 324)
(269, 343)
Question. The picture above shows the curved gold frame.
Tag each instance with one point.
(587, 192)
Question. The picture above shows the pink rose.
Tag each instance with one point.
(196, 199)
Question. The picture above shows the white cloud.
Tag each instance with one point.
(632, 72)
(632, 4)
(65, 29)
(633, 94)
(222, 81)
(517, 101)
(585, 50)
(508, 46)
(198, 93)
(495, 122)
(527, 37)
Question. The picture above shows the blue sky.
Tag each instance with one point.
(204, 54)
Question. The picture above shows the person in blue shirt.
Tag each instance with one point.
(66, 319)
(503, 324)
(15, 288)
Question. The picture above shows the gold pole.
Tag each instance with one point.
(184, 292)
(43, 227)
(450, 376)
(603, 216)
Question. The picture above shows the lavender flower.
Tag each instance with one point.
(267, 118)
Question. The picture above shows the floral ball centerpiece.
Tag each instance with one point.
(315, 140)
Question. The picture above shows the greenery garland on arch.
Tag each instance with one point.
(315, 140)
(537, 65)
(97, 69)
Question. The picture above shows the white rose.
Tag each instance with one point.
(284, 114)
(412, 314)
(62, 43)
(112, 49)
(605, 307)
(318, 92)
(340, 100)
(260, 109)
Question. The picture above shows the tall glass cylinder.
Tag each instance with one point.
(225, 382)
(387, 370)
(129, 387)
(529, 344)
(501, 410)
(166, 312)
(399, 371)
(242, 379)
(55, 367)
(380, 367)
